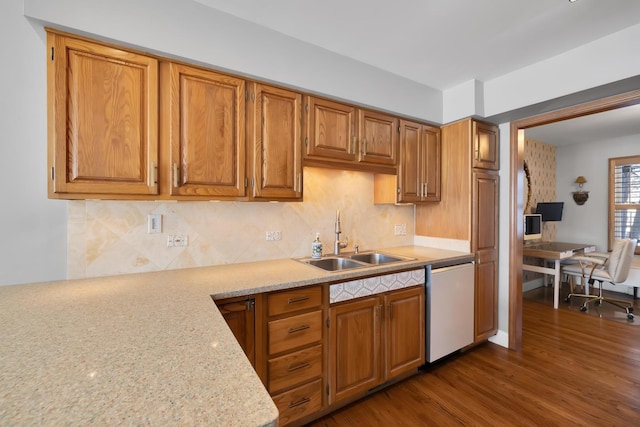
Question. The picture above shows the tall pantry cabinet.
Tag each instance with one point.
(468, 209)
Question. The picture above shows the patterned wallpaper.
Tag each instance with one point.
(110, 237)
(541, 160)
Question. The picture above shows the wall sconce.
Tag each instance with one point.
(580, 196)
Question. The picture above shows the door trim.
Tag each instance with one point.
(516, 183)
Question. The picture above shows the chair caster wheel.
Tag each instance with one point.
(567, 299)
(583, 308)
(630, 316)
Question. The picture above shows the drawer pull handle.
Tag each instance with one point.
(299, 366)
(302, 401)
(298, 329)
(297, 299)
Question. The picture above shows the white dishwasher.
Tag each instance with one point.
(449, 309)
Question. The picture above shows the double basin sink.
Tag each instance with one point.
(350, 261)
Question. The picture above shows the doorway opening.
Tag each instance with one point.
(516, 186)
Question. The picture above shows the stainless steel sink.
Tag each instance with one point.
(348, 262)
(334, 263)
(377, 258)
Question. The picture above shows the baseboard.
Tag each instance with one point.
(532, 284)
(501, 338)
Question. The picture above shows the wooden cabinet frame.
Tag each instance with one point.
(375, 339)
(342, 136)
(103, 119)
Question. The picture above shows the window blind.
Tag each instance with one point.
(627, 201)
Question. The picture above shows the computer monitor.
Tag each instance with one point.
(532, 226)
(550, 211)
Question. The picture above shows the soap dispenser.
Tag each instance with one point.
(316, 247)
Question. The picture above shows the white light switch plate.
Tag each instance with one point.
(154, 223)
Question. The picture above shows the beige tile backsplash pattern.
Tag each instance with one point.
(110, 237)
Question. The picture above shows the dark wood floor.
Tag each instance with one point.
(573, 369)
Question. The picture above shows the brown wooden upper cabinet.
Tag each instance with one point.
(419, 169)
(341, 135)
(486, 152)
(274, 142)
(103, 116)
(418, 178)
(125, 125)
(205, 113)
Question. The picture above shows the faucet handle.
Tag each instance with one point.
(356, 248)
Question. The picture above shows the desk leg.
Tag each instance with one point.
(556, 284)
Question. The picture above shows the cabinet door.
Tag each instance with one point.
(103, 119)
(240, 317)
(377, 138)
(330, 130)
(410, 177)
(485, 245)
(207, 133)
(486, 149)
(355, 347)
(430, 157)
(405, 335)
(274, 142)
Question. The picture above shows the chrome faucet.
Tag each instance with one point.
(337, 244)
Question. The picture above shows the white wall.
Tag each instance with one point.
(190, 30)
(588, 223)
(33, 228)
(603, 61)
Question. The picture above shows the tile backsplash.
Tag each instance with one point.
(110, 237)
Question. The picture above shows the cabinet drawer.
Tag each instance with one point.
(295, 368)
(294, 300)
(295, 331)
(300, 401)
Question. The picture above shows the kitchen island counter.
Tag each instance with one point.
(148, 348)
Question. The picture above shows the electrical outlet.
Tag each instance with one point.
(273, 235)
(182, 240)
(400, 229)
(177, 240)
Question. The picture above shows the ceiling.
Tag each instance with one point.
(593, 128)
(443, 43)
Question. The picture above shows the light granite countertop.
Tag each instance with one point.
(146, 349)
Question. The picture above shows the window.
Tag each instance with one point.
(624, 198)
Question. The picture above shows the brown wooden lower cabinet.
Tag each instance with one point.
(239, 313)
(299, 402)
(355, 347)
(405, 331)
(375, 339)
(292, 368)
(314, 358)
(294, 351)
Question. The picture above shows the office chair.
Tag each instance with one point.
(600, 267)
